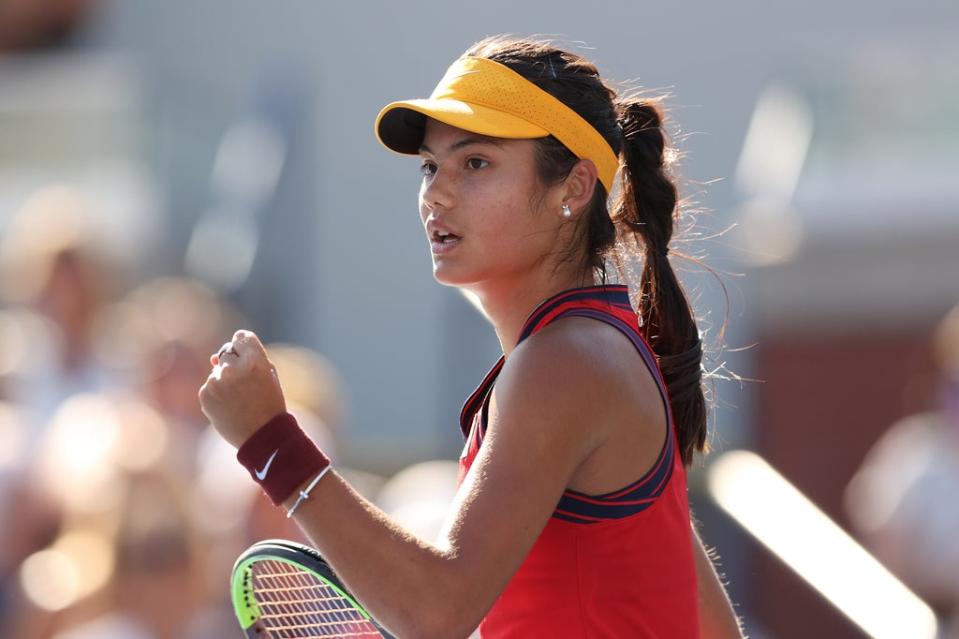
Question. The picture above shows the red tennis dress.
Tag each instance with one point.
(612, 566)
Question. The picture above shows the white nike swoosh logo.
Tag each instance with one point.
(261, 474)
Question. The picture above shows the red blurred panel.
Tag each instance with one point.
(826, 399)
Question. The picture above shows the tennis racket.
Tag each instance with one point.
(285, 589)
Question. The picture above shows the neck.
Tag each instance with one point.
(508, 304)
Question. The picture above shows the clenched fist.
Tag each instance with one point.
(242, 392)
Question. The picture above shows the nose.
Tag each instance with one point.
(436, 191)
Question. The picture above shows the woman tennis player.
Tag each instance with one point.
(571, 518)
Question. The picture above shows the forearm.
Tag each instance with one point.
(410, 586)
(717, 618)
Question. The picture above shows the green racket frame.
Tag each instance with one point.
(289, 552)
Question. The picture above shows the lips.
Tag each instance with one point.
(442, 240)
(440, 233)
(440, 248)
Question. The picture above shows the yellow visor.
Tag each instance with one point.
(489, 98)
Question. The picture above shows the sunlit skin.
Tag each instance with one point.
(486, 191)
(573, 407)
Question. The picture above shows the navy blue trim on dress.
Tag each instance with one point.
(477, 397)
(574, 506)
(581, 508)
(615, 294)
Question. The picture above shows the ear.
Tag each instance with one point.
(579, 185)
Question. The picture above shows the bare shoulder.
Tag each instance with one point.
(582, 383)
(540, 432)
(566, 372)
(577, 348)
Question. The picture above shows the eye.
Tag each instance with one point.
(428, 168)
(476, 163)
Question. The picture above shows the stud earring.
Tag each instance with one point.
(567, 212)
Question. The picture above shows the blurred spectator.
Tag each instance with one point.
(159, 586)
(903, 498)
(28, 520)
(69, 499)
(55, 277)
(123, 548)
(160, 336)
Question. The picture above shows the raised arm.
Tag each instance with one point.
(532, 447)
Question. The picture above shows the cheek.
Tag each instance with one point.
(518, 204)
(510, 228)
(500, 219)
(509, 204)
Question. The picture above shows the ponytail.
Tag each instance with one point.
(646, 208)
(645, 211)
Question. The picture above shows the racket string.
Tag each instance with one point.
(294, 603)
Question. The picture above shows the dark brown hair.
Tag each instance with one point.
(645, 210)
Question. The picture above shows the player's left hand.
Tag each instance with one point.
(242, 392)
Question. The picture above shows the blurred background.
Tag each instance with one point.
(173, 171)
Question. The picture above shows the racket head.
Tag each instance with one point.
(280, 588)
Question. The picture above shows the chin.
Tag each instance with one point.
(446, 280)
(459, 275)
(447, 276)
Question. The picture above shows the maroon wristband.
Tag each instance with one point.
(280, 457)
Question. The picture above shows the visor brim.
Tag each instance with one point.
(400, 126)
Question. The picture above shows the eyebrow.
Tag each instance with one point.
(470, 139)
